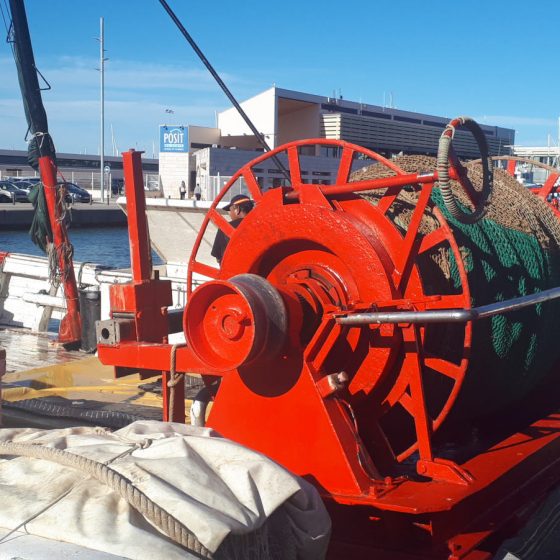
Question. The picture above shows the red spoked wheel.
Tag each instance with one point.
(329, 251)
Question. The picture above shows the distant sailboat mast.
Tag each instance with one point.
(114, 143)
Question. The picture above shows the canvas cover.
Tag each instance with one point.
(223, 492)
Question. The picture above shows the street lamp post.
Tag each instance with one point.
(102, 60)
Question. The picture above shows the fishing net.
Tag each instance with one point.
(40, 231)
(514, 250)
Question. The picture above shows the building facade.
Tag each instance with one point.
(281, 116)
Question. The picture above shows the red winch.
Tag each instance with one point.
(330, 348)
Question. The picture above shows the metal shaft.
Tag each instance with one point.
(449, 315)
(102, 131)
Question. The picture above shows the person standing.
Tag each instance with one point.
(197, 192)
(239, 206)
(183, 190)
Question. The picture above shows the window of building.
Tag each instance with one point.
(406, 119)
(376, 114)
(338, 109)
(306, 150)
(330, 151)
(436, 124)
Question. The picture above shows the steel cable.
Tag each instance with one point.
(163, 520)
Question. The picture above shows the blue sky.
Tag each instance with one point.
(495, 60)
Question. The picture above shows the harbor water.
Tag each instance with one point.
(107, 246)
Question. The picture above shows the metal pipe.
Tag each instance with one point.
(102, 109)
(448, 315)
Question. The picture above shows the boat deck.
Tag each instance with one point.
(47, 386)
(25, 350)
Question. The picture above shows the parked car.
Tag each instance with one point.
(5, 198)
(13, 191)
(76, 194)
(24, 185)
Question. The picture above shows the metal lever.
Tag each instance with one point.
(448, 315)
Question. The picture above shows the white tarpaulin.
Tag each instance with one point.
(221, 491)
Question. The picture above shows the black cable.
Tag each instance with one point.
(225, 89)
(6, 17)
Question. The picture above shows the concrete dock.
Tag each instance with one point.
(97, 214)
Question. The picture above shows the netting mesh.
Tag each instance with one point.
(513, 251)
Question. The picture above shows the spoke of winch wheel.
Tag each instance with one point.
(295, 170)
(345, 165)
(432, 239)
(388, 199)
(406, 402)
(205, 270)
(445, 367)
(422, 420)
(411, 242)
(220, 222)
(252, 184)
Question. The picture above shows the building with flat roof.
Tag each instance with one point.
(209, 156)
(283, 116)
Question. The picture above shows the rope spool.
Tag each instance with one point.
(514, 250)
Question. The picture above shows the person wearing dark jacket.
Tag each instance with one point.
(239, 206)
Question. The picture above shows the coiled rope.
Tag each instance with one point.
(444, 150)
(64, 252)
(163, 520)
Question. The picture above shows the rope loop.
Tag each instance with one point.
(443, 156)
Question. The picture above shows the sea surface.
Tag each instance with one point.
(108, 245)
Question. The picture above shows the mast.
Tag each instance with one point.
(102, 100)
(42, 156)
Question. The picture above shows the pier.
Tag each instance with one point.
(97, 214)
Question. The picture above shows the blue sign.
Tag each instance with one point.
(173, 138)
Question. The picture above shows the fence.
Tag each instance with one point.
(91, 181)
(211, 185)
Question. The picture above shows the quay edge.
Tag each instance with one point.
(96, 215)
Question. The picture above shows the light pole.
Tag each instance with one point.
(102, 60)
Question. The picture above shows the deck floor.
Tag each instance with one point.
(25, 350)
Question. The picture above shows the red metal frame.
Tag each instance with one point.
(145, 300)
(321, 400)
(550, 185)
(70, 330)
